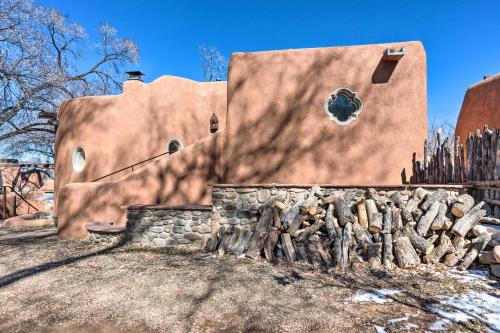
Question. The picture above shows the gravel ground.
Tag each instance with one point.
(72, 286)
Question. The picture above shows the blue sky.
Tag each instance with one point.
(462, 38)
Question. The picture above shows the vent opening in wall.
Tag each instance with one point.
(343, 106)
(78, 159)
(174, 145)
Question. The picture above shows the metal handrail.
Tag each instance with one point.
(130, 166)
(19, 195)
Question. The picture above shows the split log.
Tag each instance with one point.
(406, 255)
(287, 246)
(489, 220)
(417, 197)
(419, 243)
(425, 221)
(377, 238)
(481, 229)
(417, 214)
(380, 201)
(397, 198)
(447, 225)
(300, 250)
(337, 246)
(290, 215)
(388, 257)
(330, 228)
(439, 251)
(261, 231)
(486, 258)
(469, 220)
(374, 217)
(362, 214)
(277, 219)
(324, 253)
(451, 259)
(433, 238)
(244, 236)
(374, 255)
(346, 243)
(226, 233)
(231, 241)
(397, 221)
(478, 245)
(309, 231)
(273, 202)
(344, 214)
(270, 243)
(214, 240)
(329, 199)
(430, 199)
(376, 223)
(312, 252)
(309, 206)
(361, 236)
(440, 219)
(496, 253)
(463, 204)
(295, 224)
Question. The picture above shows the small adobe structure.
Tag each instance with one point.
(481, 106)
(337, 115)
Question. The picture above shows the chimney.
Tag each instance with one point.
(135, 75)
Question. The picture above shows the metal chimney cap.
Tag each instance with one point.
(135, 75)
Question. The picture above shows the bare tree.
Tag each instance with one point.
(40, 66)
(213, 63)
(439, 134)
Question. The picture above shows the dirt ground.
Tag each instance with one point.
(72, 286)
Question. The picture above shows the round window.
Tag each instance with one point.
(173, 146)
(78, 159)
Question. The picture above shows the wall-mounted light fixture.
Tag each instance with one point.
(214, 123)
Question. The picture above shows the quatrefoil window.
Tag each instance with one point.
(343, 106)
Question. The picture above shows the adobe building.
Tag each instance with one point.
(338, 115)
(481, 105)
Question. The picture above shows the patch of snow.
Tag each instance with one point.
(380, 329)
(473, 305)
(440, 325)
(377, 296)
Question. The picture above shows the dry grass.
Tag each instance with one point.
(72, 286)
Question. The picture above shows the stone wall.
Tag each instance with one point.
(239, 204)
(185, 226)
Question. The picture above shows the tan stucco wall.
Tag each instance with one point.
(481, 106)
(182, 178)
(279, 132)
(117, 131)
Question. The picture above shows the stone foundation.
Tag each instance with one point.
(169, 226)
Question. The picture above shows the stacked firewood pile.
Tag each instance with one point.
(477, 162)
(342, 228)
